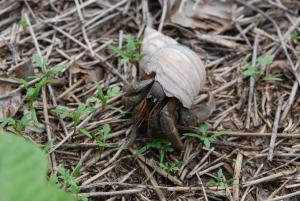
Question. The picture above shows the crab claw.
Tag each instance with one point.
(200, 114)
(168, 124)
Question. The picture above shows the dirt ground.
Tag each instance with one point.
(248, 148)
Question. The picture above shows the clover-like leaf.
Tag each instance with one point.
(23, 169)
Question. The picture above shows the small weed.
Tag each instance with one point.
(129, 53)
(18, 125)
(201, 134)
(220, 180)
(76, 115)
(164, 147)
(34, 91)
(104, 135)
(272, 78)
(103, 98)
(255, 71)
(66, 181)
(172, 167)
(295, 37)
(23, 23)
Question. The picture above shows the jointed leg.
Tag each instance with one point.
(168, 119)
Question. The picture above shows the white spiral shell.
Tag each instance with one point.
(177, 68)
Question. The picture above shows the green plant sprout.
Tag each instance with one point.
(295, 37)
(220, 180)
(102, 98)
(163, 147)
(76, 115)
(18, 125)
(23, 23)
(66, 180)
(131, 51)
(104, 135)
(262, 62)
(34, 91)
(201, 134)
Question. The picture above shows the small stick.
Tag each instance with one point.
(152, 181)
(112, 193)
(237, 174)
(210, 168)
(274, 131)
(252, 83)
(163, 15)
(270, 177)
(285, 196)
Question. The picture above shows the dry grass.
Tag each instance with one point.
(261, 149)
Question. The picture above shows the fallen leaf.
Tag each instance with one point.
(205, 14)
(9, 105)
(91, 74)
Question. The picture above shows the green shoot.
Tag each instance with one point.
(295, 37)
(220, 180)
(66, 181)
(104, 135)
(76, 115)
(171, 167)
(18, 125)
(201, 134)
(255, 71)
(23, 23)
(163, 147)
(272, 78)
(129, 53)
(103, 98)
(33, 92)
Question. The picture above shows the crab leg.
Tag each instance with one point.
(137, 87)
(168, 124)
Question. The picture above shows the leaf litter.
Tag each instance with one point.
(251, 109)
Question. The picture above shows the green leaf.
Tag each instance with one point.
(39, 61)
(295, 37)
(219, 133)
(7, 122)
(116, 50)
(85, 132)
(92, 99)
(62, 112)
(23, 23)
(272, 78)
(106, 131)
(56, 69)
(195, 135)
(265, 60)
(212, 182)
(23, 169)
(21, 81)
(113, 91)
(207, 142)
(251, 71)
(76, 171)
(202, 128)
(34, 115)
(220, 174)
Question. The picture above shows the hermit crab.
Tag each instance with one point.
(172, 75)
